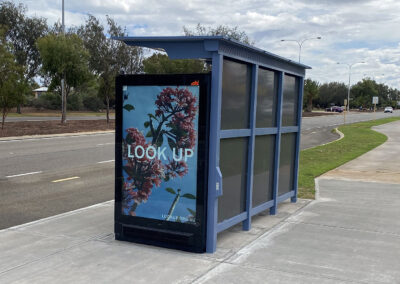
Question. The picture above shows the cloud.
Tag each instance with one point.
(351, 31)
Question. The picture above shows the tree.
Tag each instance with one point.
(221, 30)
(22, 32)
(332, 93)
(160, 64)
(362, 93)
(12, 83)
(64, 56)
(108, 57)
(394, 97)
(311, 91)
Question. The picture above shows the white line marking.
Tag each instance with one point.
(26, 174)
(65, 179)
(58, 216)
(102, 144)
(52, 136)
(109, 161)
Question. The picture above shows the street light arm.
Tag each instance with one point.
(300, 43)
(348, 89)
(309, 39)
(292, 40)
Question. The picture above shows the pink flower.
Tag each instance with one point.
(143, 172)
(177, 109)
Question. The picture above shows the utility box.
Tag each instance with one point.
(199, 153)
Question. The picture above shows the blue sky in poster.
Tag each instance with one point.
(143, 99)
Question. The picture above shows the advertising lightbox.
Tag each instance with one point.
(161, 125)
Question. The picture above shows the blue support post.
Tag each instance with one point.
(250, 155)
(275, 188)
(214, 175)
(297, 157)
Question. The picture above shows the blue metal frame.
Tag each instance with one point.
(214, 176)
(250, 155)
(297, 157)
(274, 207)
(216, 48)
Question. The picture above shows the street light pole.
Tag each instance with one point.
(300, 43)
(348, 89)
(63, 23)
(63, 95)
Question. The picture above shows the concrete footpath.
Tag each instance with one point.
(349, 234)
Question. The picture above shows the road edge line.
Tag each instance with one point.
(23, 137)
(340, 138)
(73, 212)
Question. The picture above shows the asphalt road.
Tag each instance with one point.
(42, 177)
(49, 176)
(317, 130)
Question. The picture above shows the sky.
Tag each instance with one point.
(351, 31)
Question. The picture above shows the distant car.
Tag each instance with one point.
(388, 109)
(334, 109)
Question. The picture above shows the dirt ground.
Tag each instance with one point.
(53, 127)
(73, 126)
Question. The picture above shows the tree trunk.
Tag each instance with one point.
(108, 110)
(64, 110)
(4, 114)
(64, 102)
(19, 109)
(309, 104)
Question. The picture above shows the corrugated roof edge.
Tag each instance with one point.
(202, 38)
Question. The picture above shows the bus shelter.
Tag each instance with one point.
(246, 155)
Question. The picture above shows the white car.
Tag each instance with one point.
(388, 109)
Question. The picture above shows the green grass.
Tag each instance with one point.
(358, 139)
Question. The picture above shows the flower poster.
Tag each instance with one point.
(159, 155)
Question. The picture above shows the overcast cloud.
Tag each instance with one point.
(351, 31)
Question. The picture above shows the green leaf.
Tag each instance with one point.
(147, 124)
(189, 196)
(149, 134)
(129, 107)
(151, 115)
(191, 212)
(166, 178)
(170, 190)
(171, 143)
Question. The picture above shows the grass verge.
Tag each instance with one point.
(358, 139)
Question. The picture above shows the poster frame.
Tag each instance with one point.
(171, 234)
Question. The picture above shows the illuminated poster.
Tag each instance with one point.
(159, 155)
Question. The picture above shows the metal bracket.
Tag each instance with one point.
(218, 183)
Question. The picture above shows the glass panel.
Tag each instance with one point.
(286, 163)
(263, 169)
(289, 102)
(233, 165)
(236, 88)
(267, 91)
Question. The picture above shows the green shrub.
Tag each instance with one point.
(48, 101)
(74, 102)
(92, 102)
